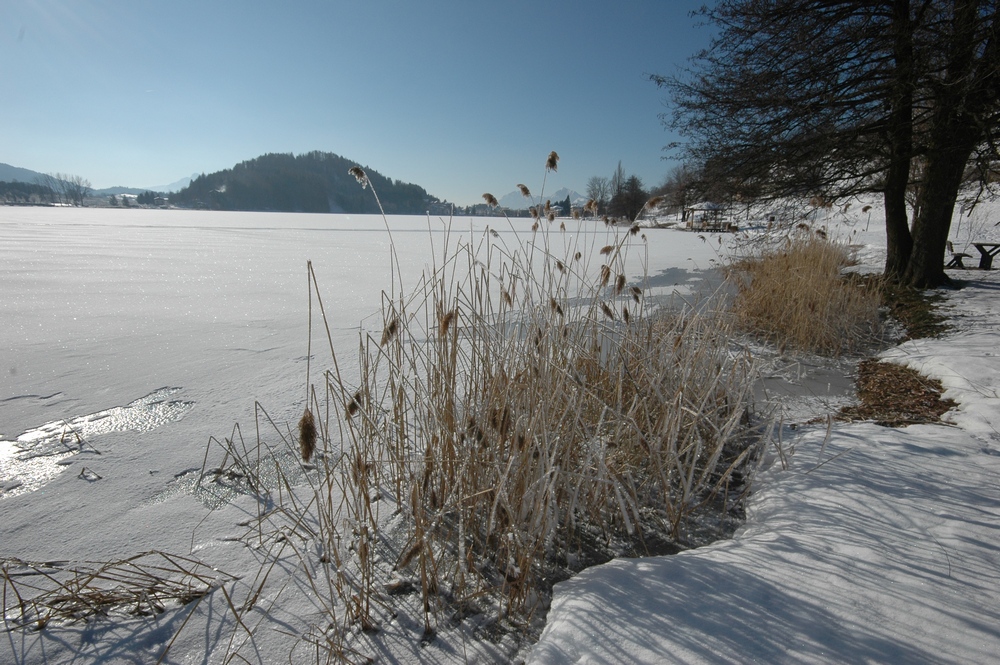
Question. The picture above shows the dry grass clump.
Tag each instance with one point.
(895, 396)
(519, 405)
(797, 297)
(35, 594)
(520, 408)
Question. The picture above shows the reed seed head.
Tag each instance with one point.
(445, 322)
(355, 404)
(534, 212)
(555, 306)
(359, 175)
(607, 249)
(551, 216)
(653, 202)
(307, 435)
(605, 275)
(390, 332)
(525, 192)
(620, 284)
(491, 200)
(552, 163)
(607, 311)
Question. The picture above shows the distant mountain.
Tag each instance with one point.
(117, 191)
(311, 182)
(10, 173)
(516, 201)
(175, 186)
(159, 189)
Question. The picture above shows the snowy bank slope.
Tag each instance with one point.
(875, 545)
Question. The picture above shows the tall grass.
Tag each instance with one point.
(797, 296)
(520, 406)
(518, 402)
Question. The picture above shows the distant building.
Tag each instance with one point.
(440, 208)
(708, 216)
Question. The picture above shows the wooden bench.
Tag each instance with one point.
(956, 261)
(956, 258)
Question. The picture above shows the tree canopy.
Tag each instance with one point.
(836, 98)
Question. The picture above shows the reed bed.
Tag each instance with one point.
(520, 412)
(517, 406)
(797, 296)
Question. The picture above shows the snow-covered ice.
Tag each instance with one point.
(873, 545)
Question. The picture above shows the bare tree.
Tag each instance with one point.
(833, 98)
(618, 181)
(76, 189)
(678, 189)
(599, 190)
(49, 183)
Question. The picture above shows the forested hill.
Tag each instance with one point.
(311, 182)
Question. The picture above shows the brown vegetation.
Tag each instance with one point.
(895, 396)
(797, 297)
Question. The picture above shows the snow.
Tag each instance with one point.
(160, 329)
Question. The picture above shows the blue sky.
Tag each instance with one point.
(458, 96)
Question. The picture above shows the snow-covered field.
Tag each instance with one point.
(148, 332)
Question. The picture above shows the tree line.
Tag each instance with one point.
(47, 189)
(836, 98)
(620, 195)
(311, 182)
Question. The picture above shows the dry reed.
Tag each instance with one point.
(797, 296)
(507, 419)
(512, 413)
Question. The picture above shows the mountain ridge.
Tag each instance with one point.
(315, 181)
(516, 201)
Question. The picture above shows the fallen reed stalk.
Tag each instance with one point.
(37, 593)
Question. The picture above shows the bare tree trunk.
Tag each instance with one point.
(899, 242)
(961, 101)
(946, 163)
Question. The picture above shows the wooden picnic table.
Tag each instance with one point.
(987, 251)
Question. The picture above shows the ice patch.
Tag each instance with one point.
(37, 455)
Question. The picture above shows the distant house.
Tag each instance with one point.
(440, 208)
(708, 216)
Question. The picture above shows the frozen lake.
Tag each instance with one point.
(194, 315)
